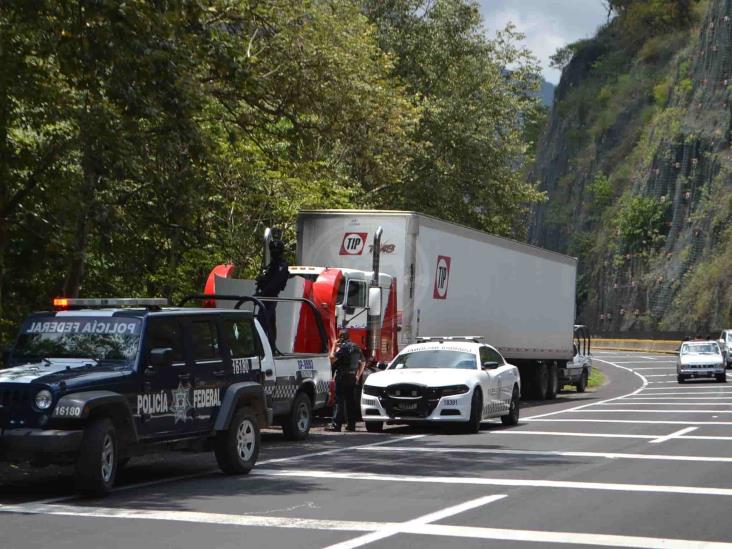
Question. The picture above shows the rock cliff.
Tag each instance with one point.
(636, 164)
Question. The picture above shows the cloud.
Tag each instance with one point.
(547, 24)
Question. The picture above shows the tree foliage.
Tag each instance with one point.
(143, 142)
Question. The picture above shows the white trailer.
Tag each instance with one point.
(457, 281)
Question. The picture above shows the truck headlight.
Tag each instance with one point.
(43, 399)
(453, 390)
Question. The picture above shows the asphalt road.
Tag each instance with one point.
(640, 462)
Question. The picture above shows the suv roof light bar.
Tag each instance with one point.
(449, 338)
(103, 302)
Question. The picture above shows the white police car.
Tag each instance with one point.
(701, 359)
(443, 380)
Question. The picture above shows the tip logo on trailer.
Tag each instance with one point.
(353, 243)
(442, 277)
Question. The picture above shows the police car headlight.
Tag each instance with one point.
(371, 390)
(43, 399)
(453, 390)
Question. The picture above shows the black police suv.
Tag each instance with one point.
(94, 386)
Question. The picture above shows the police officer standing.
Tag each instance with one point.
(348, 364)
(270, 283)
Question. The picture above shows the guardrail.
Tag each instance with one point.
(665, 346)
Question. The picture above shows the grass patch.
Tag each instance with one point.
(597, 378)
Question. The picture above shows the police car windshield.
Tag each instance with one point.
(437, 358)
(700, 348)
(98, 338)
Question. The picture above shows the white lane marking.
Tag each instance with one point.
(210, 471)
(695, 387)
(647, 367)
(190, 516)
(643, 379)
(637, 403)
(441, 530)
(676, 434)
(542, 537)
(585, 411)
(484, 481)
(559, 453)
(571, 434)
(672, 396)
(663, 382)
(392, 530)
(634, 421)
(660, 375)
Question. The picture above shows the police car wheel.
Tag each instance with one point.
(237, 448)
(512, 417)
(374, 426)
(96, 467)
(476, 411)
(296, 425)
(582, 384)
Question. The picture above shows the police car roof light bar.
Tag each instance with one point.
(449, 338)
(103, 302)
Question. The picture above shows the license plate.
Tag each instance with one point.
(410, 406)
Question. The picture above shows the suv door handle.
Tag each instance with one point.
(184, 377)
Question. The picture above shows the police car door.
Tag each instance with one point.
(162, 405)
(209, 371)
(490, 363)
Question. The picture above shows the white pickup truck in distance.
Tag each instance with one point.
(443, 380)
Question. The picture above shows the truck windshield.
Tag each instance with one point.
(700, 348)
(436, 359)
(98, 338)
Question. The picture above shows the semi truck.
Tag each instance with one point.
(451, 280)
(394, 276)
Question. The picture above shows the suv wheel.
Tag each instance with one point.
(96, 466)
(296, 425)
(512, 417)
(237, 448)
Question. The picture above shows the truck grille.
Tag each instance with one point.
(10, 398)
(16, 404)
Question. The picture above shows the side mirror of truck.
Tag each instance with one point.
(374, 301)
(490, 364)
(161, 356)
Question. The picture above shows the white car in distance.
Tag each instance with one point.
(443, 380)
(701, 359)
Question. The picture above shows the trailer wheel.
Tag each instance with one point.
(552, 386)
(512, 417)
(540, 382)
(582, 383)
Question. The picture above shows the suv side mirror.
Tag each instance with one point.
(161, 356)
(490, 364)
(381, 365)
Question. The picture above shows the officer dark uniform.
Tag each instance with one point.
(270, 283)
(347, 364)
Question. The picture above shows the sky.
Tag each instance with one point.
(547, 24)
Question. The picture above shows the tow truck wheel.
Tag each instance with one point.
(237, 449)
(296, 425)
(512, 417)
(374, 426)
(96, 467)
(539, 382)
(476, 411)
(582, 383)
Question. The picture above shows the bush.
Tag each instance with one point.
(640, 222)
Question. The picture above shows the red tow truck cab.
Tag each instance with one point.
(345, 297)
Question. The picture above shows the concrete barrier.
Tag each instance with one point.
(643, 345)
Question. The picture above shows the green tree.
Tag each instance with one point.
(476, 95)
